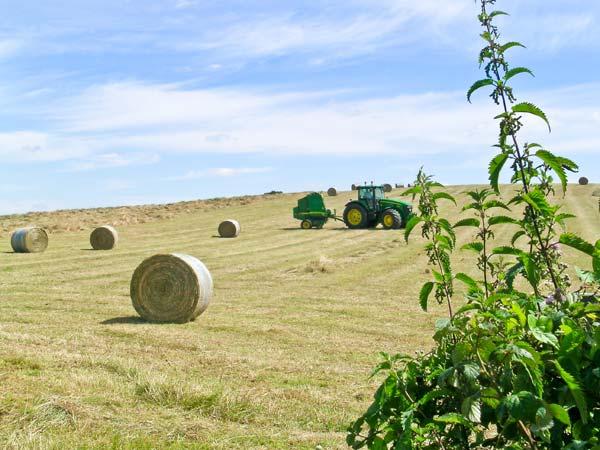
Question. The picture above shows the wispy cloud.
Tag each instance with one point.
(219, 172)
(111, 160)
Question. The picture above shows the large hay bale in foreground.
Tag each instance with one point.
(387, 187)
(171, 288)
(583, 181)
(229, 228)
(29, 240)
(104, 238)
(332, 192)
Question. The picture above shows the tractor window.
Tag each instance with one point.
(365, 194)
(379, 193)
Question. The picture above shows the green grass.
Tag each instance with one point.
(279, 360)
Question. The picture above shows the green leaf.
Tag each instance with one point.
(538, 201)
(471, 222)
(424, 294)
(471, 408)
(531, 270)
(555, 164)
(511, 44)
(497, 13)
(516, 236)
(495, 168)
(473, 246)
(466, 279)
(453, 418)
(478, 85)
(544, 337)
(559, 413)
(576, 391)
(516, 71)
(495, 204)
(448, 229)
(444, 195)
(572, 240)
(505, 250)
(412, 223)
(530, 108)
(497, 220)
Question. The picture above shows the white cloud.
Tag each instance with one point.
(112, 160)
(28, 146)
(9, 47)
(219, 172)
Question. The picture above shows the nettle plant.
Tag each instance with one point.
(517, 366)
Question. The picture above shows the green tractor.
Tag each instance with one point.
(373, 208)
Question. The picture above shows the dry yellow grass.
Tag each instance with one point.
(279, 360)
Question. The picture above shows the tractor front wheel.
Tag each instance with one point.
(391, 219)
(355, 216)
(306, 224)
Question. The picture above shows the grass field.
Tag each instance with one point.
(279, 360)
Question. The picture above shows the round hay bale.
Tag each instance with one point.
(229, 228)
(173, 288)
(29, 240)
(387, 187)
(331, 192)
(104, 238)
(583, 181)
(353, 187)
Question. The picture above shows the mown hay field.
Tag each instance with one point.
(280, 359)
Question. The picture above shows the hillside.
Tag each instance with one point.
(280, 359)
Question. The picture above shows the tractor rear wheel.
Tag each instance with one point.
(306, 224)
(391, 219)
(355, 216)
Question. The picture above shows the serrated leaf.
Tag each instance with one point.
(471, 408)
(544, 337)
(497, 220)
(495, 204)
(531, 270)
(516, 236)
(511, 44)
(478, 85)
(473, 246)
(453, 418)
(495, 168)
(466, 279)
(554, 163)
(516, 71)
(530, 108)
(412, 223)
(537, 200)
(575, 390)
(497, 13)
(424, 294)
(505, 250)
(559, 413)
(443, 195)
(574, 241)
(470, 222)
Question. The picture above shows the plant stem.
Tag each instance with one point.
(519, 156)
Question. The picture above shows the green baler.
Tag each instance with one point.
(312, 212)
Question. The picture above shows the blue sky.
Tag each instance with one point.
(144, 101)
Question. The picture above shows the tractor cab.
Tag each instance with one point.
(370, 196)
(372, 208)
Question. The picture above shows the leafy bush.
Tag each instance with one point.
(514, 368)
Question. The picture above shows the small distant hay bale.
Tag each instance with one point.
(353, 187)
(104, 238)
(229, 228)
(29, 240)
(332, 192)
(399, 185)
(583, 181)
(172, 288)
(387, 187)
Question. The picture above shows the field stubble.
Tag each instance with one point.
(280, 359)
